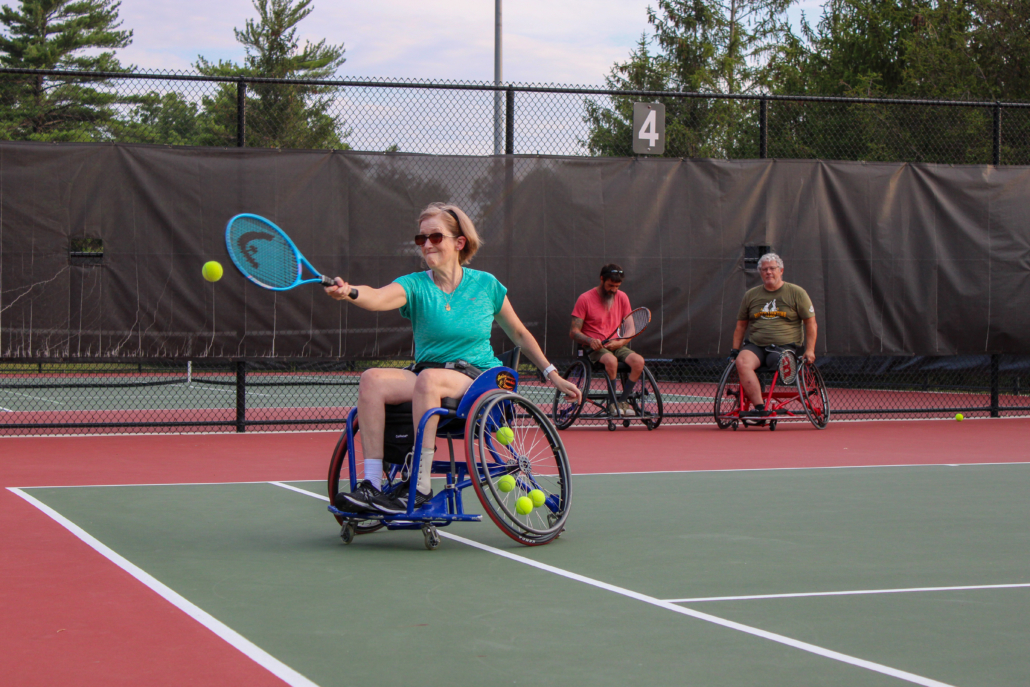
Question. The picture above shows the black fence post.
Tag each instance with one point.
(995, 383)
(996, 153)
(241, 395)
(763, 128)
(509, 121)
(241, 113)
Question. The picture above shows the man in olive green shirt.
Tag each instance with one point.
(775, 314)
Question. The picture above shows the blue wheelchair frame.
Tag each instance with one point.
(447, 506)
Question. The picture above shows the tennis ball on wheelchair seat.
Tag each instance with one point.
(524, 505)
(506, 483)
(212, 270)
(504, 436)
(959, 417)
(537, 497)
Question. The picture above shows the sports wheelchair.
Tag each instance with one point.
(792, 392)
(599, 392)
(500, 472)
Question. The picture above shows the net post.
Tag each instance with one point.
(241, 395)
(995, 383)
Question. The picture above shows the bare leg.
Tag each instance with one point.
(380, 386)
(432, 387)
(636, 367)
(747, 363)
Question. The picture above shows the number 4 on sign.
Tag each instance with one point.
(648, 128)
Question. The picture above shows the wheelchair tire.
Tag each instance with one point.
(536, 458)
(648, 404)
(812, 390)
(564, 411)
(337, 465)
(727, 398)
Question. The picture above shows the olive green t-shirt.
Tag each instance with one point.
(774, 317)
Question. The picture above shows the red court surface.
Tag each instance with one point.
(71, 616)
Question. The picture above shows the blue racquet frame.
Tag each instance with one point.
(280, 259)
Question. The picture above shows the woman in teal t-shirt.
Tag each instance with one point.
(452, 309)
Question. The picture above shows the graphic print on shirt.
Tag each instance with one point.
(769, 312)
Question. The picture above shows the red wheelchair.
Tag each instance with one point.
(794, 391)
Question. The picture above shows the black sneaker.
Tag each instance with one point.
(359, 500)
(397, 501)
(756, 413)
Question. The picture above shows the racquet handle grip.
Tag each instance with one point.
(353, 294)
(326, 281)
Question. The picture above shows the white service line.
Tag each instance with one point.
(848, 593)
(669, 606)
(248, 648)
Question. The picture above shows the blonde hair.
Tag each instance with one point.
(455, 219)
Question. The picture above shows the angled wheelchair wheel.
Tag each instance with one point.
(812, 390)
(648, 403)
(532, 468)
(727, 398)
(565, 411)
(339, 465)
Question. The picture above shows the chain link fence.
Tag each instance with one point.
(477, 120)
(276, 395)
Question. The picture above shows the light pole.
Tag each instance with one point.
(498, 130)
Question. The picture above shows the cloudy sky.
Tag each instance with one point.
(545, 41)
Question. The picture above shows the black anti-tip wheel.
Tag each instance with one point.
(533, 461)
(431, 536)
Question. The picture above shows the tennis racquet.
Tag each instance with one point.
(632, 325)
(266, 255)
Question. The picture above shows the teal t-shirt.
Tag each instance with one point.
(461, 333)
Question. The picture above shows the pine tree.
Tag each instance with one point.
(278, 115)
(59, 34)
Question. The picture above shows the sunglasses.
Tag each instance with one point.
(435, 239)
(614, 275)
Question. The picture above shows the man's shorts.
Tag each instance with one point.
(620, 354)
(768, 356)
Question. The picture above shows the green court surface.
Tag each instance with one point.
(599, 605)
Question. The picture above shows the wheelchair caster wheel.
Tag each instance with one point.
(611, 426)
(772, 425)
(625, 423)
(347, 533)
(735, 425)
(432, 537)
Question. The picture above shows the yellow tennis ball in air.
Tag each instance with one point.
(212, 270)
(537, 497)
(504, 436)
(524, 505)
(506, 483)
(959, 417)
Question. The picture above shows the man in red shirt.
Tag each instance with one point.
(596, 316)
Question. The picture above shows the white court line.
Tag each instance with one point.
(848, 593)
(34, 398)
(781, 639)
(244, 645)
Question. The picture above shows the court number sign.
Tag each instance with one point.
(648, 128)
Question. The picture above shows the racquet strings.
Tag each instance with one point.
(262, 253)
(634, 323)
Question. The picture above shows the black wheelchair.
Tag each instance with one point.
(793, 391)
(521, 476)
(600, 398)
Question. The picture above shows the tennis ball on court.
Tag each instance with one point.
(537, 497)
(212, 270)
(506, 483)
(524, 505)
(959, 417)
(504, 436)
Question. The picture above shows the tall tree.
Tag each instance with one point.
(702, 46)
(59, 34)
(278, 115)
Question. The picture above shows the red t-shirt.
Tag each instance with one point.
(598, 321)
